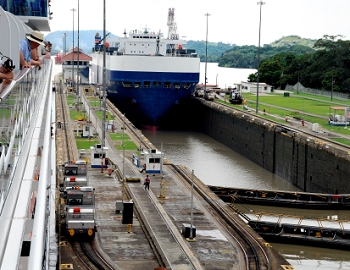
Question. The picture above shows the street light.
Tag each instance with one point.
(73, 10)
(206, 55)
(64, 43)
(298, 78)
(258, 78)
(78, 71)
(104, 75)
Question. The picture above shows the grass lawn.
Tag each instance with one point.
(129, 145)
(71, 99)
(94, 101)
(85, 143)
(75, 115)
(108, 115)
(296, 106)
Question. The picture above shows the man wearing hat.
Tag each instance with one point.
(28, 46)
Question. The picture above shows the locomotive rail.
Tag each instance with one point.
(89, 256)
(256, 255)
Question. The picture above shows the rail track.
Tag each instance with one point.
(86, 252)
(89, 256)
(255, 253)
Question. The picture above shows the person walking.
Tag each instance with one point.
(147, 182)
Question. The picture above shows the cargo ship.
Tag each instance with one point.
(147, 75)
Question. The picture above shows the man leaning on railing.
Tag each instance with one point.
(6, 72)
(29, 48)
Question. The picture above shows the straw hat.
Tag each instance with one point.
(36, 37)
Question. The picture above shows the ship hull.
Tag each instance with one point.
(147, 88)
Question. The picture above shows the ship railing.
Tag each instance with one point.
(22, 101)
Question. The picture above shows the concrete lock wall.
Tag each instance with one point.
(309, 163)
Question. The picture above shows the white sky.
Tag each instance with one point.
(230, 21)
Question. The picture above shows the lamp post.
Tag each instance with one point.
(73, 10)
(258, 78)
(206, 55)
(298, 78)
(78, 69)
(104, 77)
(64, 43)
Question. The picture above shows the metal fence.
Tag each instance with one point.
(319, 92)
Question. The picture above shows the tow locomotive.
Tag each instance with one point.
(79, 211)
(79, 208)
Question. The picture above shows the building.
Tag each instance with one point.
(70, 67)
(252, 86)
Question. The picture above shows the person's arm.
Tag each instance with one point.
(35, 58)
(22, 61)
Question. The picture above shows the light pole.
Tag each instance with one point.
(64, 43)
(73, 10)
(78, 70)
(206, 55)
(104, 76)
(258, 78)
(332, 88)
(298, 78)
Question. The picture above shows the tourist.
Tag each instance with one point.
(28, 49)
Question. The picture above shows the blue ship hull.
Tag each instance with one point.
(149, 96)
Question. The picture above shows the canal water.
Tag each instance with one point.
(216, 164)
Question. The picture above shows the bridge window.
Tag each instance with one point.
(154, 160)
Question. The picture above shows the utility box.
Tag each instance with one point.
(118, 206)
(186, 230)
(128, 212)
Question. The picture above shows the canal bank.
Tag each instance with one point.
(294, 154)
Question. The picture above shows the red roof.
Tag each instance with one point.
(74, 56)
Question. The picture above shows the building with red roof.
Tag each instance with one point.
(70, 67)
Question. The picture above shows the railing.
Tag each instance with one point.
(23, 111)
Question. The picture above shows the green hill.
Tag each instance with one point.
(290, 41)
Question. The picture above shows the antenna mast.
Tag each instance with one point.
(172, 27)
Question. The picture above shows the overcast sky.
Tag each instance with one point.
(230, 21)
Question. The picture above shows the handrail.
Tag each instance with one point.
(18, 77)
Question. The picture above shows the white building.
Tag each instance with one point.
(252, 86)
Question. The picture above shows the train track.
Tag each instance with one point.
(255, 253)
(88, 255)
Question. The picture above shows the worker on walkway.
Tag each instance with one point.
(147, 182)
(143, 169)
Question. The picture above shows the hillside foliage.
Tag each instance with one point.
(321, 64)
(327, 68)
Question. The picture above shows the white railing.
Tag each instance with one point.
(23, 111)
